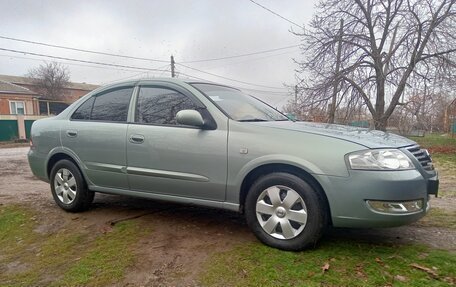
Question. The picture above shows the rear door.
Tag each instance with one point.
(96, 134)
(167, 158)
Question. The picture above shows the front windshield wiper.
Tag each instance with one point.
(254, 120)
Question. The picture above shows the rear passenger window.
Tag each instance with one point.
(84, 110)
(112, 106)
(160, 105)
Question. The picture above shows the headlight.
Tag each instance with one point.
(380, 159)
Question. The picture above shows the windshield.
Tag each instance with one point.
(239, 106)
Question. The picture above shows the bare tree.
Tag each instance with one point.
(383, 46)
(50, 79)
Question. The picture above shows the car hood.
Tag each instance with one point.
(366, 137)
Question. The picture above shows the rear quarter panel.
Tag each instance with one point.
(45, 135)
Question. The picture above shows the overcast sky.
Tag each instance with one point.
(189, 30)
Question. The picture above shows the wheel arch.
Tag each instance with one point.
(265, 169)
(56, 157)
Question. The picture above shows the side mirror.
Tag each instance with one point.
(190, 118)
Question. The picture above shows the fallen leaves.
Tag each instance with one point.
(442, 149)
(379, 261)
(359, 268)
(325, 267)
(400, 278)
(429, 271)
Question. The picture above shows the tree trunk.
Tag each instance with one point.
(380, 123)
(332, 110)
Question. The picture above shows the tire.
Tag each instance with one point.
(285, 212)
(69, 188)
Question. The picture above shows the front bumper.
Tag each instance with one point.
(348, 196)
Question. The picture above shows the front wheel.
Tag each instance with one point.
(69, 188)
(284, 212)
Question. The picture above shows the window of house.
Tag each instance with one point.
(17, 108)
(51, 107)
(43, 105)
(160, 105)
(56, 108)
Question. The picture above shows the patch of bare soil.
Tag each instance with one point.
(436, 237)
(442, 149)
(12, 144)
(447, 176)
(182, 237)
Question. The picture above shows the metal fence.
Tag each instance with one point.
(9, 130)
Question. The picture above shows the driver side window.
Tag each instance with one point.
(160, 105)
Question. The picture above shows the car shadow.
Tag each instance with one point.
(232, 224)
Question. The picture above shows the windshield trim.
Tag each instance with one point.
(220, 108)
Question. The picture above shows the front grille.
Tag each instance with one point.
(422, 156)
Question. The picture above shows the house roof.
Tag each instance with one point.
(10, 88)
(27, 81)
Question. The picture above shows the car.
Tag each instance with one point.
(211, 145)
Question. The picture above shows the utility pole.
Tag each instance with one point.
(172, 66)
(332, 108)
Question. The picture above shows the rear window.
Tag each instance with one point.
(111, 106)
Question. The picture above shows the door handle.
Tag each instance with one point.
(72, 133)
(137, 139)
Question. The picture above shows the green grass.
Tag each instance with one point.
(350, 264)
(439, 217)
(433, 140)
(70, 257)
(446, 160)
(14, 226)
(106, 260)
(443, 152)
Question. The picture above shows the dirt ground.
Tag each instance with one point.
(183, 237)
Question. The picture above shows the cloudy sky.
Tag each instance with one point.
(190, 30)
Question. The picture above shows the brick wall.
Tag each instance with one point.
(31, 104)
(70, 95)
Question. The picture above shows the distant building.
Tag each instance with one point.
(21, 104)
(17, 100)
(19, 95)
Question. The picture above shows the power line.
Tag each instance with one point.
(141, 58)
(124, 78)
(81, 61)
(275, 13)
(122, 67)
(244, 61)
(240, 88)
(242, 55)
(82, 50)
(72, 64)
(226, 78)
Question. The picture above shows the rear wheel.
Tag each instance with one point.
(69, 188)
(284, 212)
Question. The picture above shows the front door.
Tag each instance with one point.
(167, 158)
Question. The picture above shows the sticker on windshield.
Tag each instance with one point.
(216, 98)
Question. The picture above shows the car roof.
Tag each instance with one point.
(169, 80)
